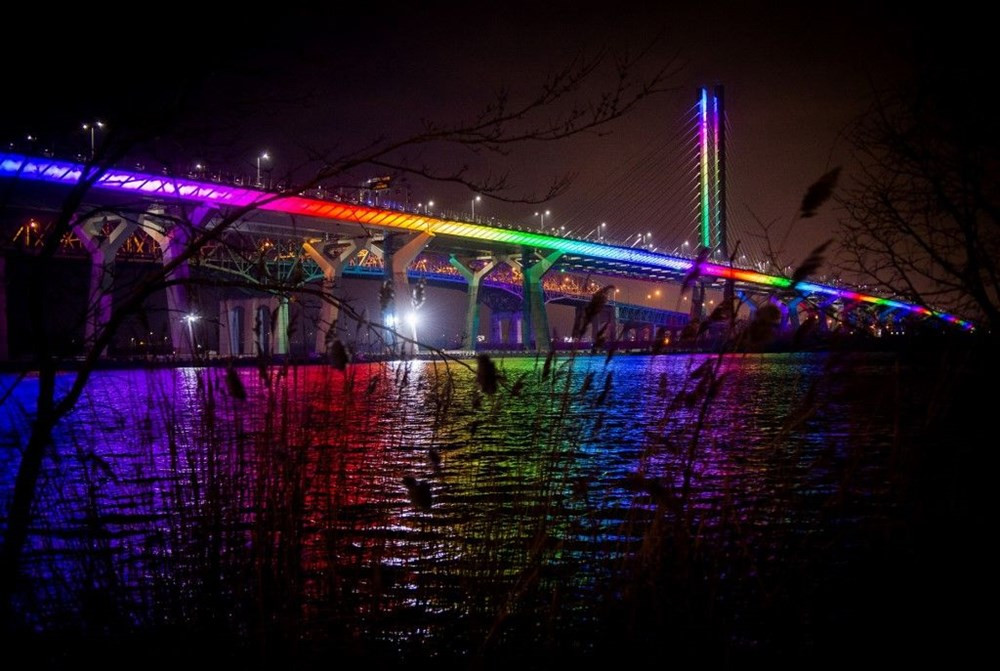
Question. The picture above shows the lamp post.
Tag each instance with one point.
(265, 156)
(92, 127)
(430, 204)
(541, 222)
(599, 230)
(474, 201)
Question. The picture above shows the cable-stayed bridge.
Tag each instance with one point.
(319, 239)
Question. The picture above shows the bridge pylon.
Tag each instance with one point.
(331, 258)
(172, 235)
(713, 225)
(474, 279)
(535, 322)
(101, 236)
(397, 261)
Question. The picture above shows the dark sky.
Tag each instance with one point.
(296, 81)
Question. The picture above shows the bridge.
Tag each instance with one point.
(314, 239)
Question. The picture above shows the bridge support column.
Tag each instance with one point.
(172, 242)
(607, 316)
(515, 332)
(102, 248)
(4, 343)
(398, 262)
(331, 259)
(790, 316)
(245, 326)
(697, 301)
(617, 325)
(825, 312)
(782, 311)
(261, 328)
(626, 328)
(729, 294)
(534, 321)
(885, 313)
(855, 315)
(886, 318)
(496, 328)
(232, 328)
(281, 326)
(746, 300)
(474, 278)
(578, 312)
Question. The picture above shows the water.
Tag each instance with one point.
(688, 499)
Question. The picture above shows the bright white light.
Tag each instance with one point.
(390, 321)
(411, 319)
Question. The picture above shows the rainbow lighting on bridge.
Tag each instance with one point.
(22, 167)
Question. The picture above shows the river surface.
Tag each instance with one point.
(393, 511)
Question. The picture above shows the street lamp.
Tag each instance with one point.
(264, 157)
(92, 127)
(474, 201)
(430, 204)
(541, 222)
(599, 229)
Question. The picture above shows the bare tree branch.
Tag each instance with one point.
(923, 208)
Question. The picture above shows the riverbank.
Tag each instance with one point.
(925, 342)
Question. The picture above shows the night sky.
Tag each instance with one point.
(230, 84)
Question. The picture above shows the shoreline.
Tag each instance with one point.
(895, 344)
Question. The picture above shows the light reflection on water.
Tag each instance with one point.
(169, 501)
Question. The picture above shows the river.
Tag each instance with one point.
(394, 512)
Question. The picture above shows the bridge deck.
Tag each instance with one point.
(582, 255)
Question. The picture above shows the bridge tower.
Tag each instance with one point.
(713, 233)
(721, 223)
(713, 226)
